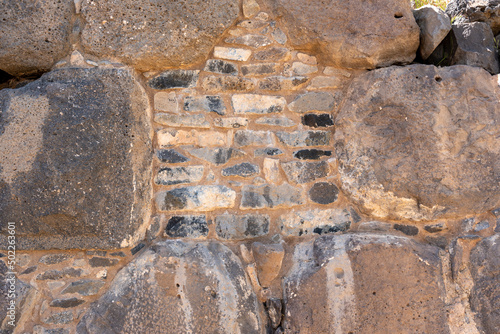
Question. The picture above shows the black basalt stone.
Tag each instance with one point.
(312, 154)
(170, 156)
(406, 229)
(244, 169)
(317, 120)
(324, 193)
(187, 226)
(174, 79)
(221, 66)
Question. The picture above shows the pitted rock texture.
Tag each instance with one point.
(352, 34)
(476, 11)
(418, 143)
(178, 287)
(65, 178)
(485, 296)
(35, 34)
(153, 35)
(357, 284)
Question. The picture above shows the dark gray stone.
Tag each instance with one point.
(274, 307)
(102, 262)
(267, 196)
(217, 156)
(221, 66)
(84, 287)
(311, 154)
(282, 83)
(187, 226)
(434, 228)
(475, 11)
(207, 103)
(229, 83)
(320, 101)
(485, 295)
(273, 53)
(178, 175)
(29, 270)
(323, 193)
(58, 274)
(249, 137)
(170, 156)
(269, 151)
(176, 287)
(31, 45)
(137, 248)
(66, 134)
(245, 169)
(67, 303)
(174, 79)
(305, 171)
(317, 120)
(54, 258)
(304, 138)
(41, 330)
(406, 229)
(239, 227)
(60, 318)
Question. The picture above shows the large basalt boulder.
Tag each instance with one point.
(485, 296)
(153, 35)
(75, 155)
(476, 11)
(352, 34)
(35, 34)
(421, 142)
(365, 284)
(178, 287)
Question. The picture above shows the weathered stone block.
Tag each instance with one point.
(305, 171)
(284, 122)
(187, 227)
(196, 198)
(232, 53)
(182, 121)
(298, 223)
(317, 120)
(216, 156)
(221, 66)
(178, 175)
(323, 193)
(434, 26)
(252, 40)
(217, 84)
(245, 169)
(206, 103)
(171, 156)
(304, 138)
(174, 79)
(312, 154)
(249, 137)
(257, 104)
(320, 101)
(282, 83)
(273, 54)
(268, 196)
(239, 227)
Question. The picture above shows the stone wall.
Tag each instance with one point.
(248, 167)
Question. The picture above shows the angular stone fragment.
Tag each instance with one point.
(58, 274)
(232, 53)
(244, 169)
(217, 156)
(60, 318)
(323, 193)
(248, 137)
(270, 151)
(221, 66)
(304, 138)
(434, 26)
(28, 45)
(182, 286)
(239, 227)
(475, 11)
(260, 69)
(421, 153)
(485, 295)
(311, 154)
(207, 103)
(354, 283)
(231, 122)
(174, 79)
(66, 133)
(320, 101)
(273, 54)
(279, 36)
(97, 261)
(196, 198)
(217, 84)
(406, 229)
(275, 121)
(298, 223)
(184, 121)
(252, 40)
(168, 138)
(155, 35)
(305, 171)
(166, 102)
(268, 196)
(171, 156)
(177, 175)
(54, 258)
(326, 82)
(317, 120)
(282, 83)
(268, 258)
(187, 226)
(299, 68)
(66, 303)
(381, 33)
(272, 170)
(84, 287)
(257, 104)
(475, 46)
(434, 228)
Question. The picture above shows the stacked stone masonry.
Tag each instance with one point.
(252, 166)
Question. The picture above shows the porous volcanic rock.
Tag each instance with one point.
(153, 35)
(365, 284)
(476, 11)
(35, 34)
(352, 34)
(75, 155)
(421, 142)
(178, 287)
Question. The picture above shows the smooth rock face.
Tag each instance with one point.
(434, 26)
(476, 11)
(34, 34)
(178, 287)
(381, 33)
(475, 46)
(416, 142)
(354, 283)
(155, 35)
(65, 177)
(485, 270)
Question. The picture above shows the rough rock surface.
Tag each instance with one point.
(35, 34)
(356, 284)
(379, 33)
(485, 269)
(178, 287)
(434, 26)
(152, 35)
(417, 142)
(65, 179)
(476, 11)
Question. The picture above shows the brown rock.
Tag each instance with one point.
(355, 284)
(417, 143)
(268, 259)
(352, 34)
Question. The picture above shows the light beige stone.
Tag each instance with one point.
(268, 258)
(250, 8)
(257, 104)
(272, 170)
(232, 53)
(164, 101)
(184, 121)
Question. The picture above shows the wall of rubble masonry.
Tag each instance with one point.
(249, 167)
